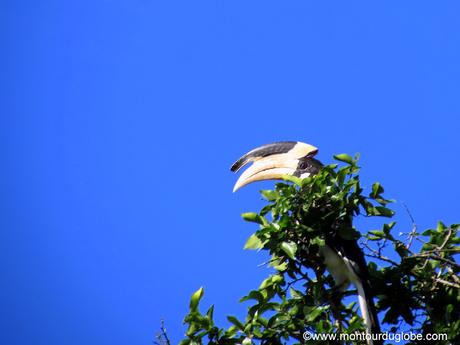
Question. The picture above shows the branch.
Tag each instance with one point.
(413, 232)
(446, 240)
(445, 282)
(436, 257)
(162, 337)
(376, 254)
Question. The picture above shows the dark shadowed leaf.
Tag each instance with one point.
(377, 189)
(349, 233)
(383, 212)
(254, 295)
(236, 322)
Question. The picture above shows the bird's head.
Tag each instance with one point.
(273, 161)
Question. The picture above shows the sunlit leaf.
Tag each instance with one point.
(196, 297)
(253, 242)
(289, 248)
(253, 217)
(343, 157)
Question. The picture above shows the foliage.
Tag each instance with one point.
(418, 291)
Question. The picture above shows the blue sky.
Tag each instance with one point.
(120, 120)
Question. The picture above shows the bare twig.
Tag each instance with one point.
(377, 254)
(383, 258)
(267, 262)
(413, 232)
(162, 336)
(445, 282)
(446, 240)
(433, 256)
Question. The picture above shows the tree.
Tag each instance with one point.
(415, 289)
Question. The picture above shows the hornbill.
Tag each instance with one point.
(342, 257)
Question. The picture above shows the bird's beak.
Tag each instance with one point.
(272, 162)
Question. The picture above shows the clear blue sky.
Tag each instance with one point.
(120, 120)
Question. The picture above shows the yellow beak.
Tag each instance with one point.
(272, 166)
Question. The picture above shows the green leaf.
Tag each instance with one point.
(341, 175)
(275, 279)
(269, 194)
(210, 312)
(441, 227)
(254, 295)
(306, 181)
(387, 227)
(295, 294)
(196, 297)
(253, 217)
(315, 313)
(281, 267)
(380, 211)
(236, 322)
(319, 242)
(401, 249)
(378, 233)
(265, 283)
(253, 242)
(231, 331)
(384, 212)
(247, 341)
(343, 157)
(377, 189)
(290, 248)
(428, 232)
(296, 180)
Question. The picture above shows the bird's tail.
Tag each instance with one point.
(367, 307)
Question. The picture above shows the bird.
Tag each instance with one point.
(343, 258)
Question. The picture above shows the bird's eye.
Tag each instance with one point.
(302, 164)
